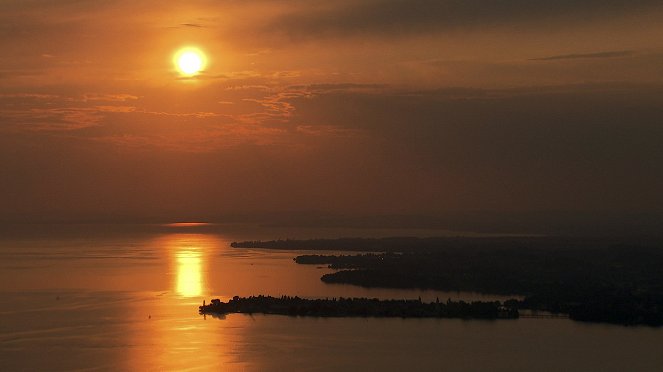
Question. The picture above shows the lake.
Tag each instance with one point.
(126, 298)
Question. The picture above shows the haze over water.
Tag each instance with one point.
(127, 298)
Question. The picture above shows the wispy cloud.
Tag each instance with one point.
(42, 112)
(328, 130)
(50, 119)
(339, 87)
(597, 55)
(199, 140)
(109, 97)
(278, 106)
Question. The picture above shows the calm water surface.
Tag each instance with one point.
(111, 299)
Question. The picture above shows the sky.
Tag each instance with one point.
(512, 115)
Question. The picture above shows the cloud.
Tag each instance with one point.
(327, 130)
(120, 109)
(48, 113)
(597, 55)
(53, 119)
(28, 96)
(200, 140)
(43, 112)
(278, 106)
(109, 97)
(346, 87)
(401, 17)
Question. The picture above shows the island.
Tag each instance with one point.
(616, 281)
(362, 307)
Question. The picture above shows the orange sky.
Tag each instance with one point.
(352, 108)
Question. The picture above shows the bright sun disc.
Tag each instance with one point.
(189, 61)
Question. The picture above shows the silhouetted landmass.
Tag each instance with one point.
(343, 244)
(598, 280)
(360, 307)
(393, 244)
(343, 261)
(413, 244)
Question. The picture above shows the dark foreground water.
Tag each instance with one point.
(82, 298)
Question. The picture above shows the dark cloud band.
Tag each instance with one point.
(404, 16)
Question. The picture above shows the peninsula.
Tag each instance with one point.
(362, 307)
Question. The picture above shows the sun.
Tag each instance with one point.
(189, 61)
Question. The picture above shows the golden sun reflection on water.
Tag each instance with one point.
(188, 254)
(189, 273)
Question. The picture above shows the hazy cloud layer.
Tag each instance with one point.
(352, 108)
(331, 147)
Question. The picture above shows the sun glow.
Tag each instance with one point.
(190, 61)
